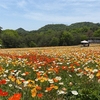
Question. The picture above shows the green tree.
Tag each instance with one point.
(10, 38)
(76, 36)
(66, 38)
(84, 37)
(0, 29)
(54, 41)
(1, 43)
(83, 29)
(89, 33)
(32, 44)
(97, 33)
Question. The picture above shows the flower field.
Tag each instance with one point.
(53, 73)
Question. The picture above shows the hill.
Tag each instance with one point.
(84, 24)
(55, 27)
(51, 35)
(21, 30)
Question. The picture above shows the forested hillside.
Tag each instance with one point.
(49, 35)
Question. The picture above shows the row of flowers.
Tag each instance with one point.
(49, 73)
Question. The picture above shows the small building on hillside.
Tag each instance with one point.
(94, 39)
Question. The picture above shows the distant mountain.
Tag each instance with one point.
(84, 24)
(61, 27)
(55, 27)
(21, 30)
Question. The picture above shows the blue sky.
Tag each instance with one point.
(34, 14)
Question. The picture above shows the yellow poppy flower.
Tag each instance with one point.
(33, 92)
(31, 83)
(18, 81)
(42, 79)
(12, 78)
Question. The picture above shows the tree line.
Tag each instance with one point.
(49, 35)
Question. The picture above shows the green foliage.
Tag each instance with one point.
(0, 29)
(32, 44)
(9, 38)
(54, 41)
(83, 24)
(97, 33)
(83, 37)
(50, 35)
(66, 38)
(0, 41)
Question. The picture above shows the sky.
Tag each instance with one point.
(34, 14)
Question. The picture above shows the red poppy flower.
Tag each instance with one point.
(2, 81)
(16, 96)
(40, 95)
(3, 93)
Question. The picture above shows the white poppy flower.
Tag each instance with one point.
(74, 92)
(58, 78)
(61, 92)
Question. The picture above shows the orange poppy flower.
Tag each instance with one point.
(26, 73)
(38, 74)
(38, 88)
(64, 67)
(16, 96)
(48, 89)
(1, 70)
(56, 70)
(53, 86)
(98, 74)
(40, 95)
(55, 80)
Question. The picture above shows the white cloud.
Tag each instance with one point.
(4, 6)
(68, 19)
(50, 11)
(22, 3)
